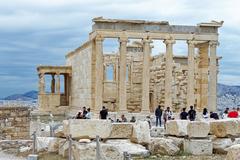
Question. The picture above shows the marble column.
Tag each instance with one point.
(146, 75)
(58, 84)
(53, 84)
(41, 83)
(99, 73)
(122, 79)
(203, 76)
(212, 98)
(168, 72)
(191, 71)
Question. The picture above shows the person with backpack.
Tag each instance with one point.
(191, 114)
(158, 114)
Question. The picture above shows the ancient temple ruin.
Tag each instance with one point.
(140, 81)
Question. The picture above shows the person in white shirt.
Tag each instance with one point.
(205, 114)
(89, 114)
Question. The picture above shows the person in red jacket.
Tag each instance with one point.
(233, 113)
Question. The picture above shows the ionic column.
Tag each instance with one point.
(99, 74)
(41, 83)
(203, 76)
(191, 80)
(168, 72)
(146, 75)
(212, 99)
(58, 84)
(53, 84)
(122, 79)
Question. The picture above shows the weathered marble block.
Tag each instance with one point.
(198, 146)
(87, 128)
(163, 146)
(121, 130)
(233, 152)
(177, 127)
(224, 128)
(221, 144)
(198, 129)
(141, 133)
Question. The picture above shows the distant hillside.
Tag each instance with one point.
(28, 96)
(228, 96)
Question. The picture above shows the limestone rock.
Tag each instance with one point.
(84, 141)
(224, 128)
(198, 146)
(177, 141)
(157, 132)
(236, 141)
(198, 129)
(59, 132)
(163, 146)
(49, 144)
(141, 133)
(233, 152)
(133, 149)
(87, 128)
(121, 130)
(87, 151)
(177, 127)
(221, 144)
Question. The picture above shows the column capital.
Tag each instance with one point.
(123, 39)
(147, 40)
(169, 41)
(99, 38)
(213, 43)
(192, 42)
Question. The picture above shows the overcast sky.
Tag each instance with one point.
(42, 32)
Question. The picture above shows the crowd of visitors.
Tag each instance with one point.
(164, 115)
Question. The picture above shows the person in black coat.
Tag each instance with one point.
(158, 114)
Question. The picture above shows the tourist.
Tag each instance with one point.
(111, 119)
(89, 114)
(191, 114)
(183, 114)
(158, 114)
(84, 112)
(148, 119)
(214, 115)
(133, 119)
(123, 118)
(238, 110)
(167, 116)
(205, 113)
(233, 113)
(225, 113)
(79, 115)
(103, 113)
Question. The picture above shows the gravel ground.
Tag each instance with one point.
(5, 156)
(213, 157)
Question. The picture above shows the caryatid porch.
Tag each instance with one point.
(50, 101)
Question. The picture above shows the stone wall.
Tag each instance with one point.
(14, 123)
(81, 62)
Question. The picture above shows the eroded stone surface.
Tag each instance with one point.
(224, 128)
(163, 146)
(177, 127)
(198, 129)
(198, 146)
(121, 130)
(233, 152)
(87, 128)
(221, 144)
(141, 133)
